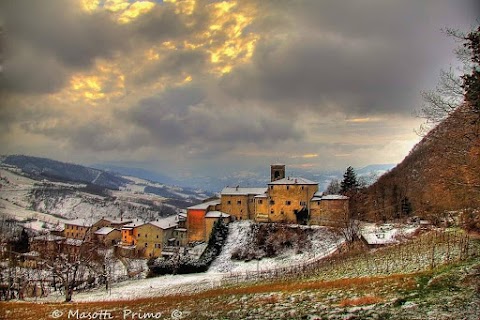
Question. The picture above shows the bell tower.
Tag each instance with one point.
(277, 172)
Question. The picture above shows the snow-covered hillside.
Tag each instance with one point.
(24, 197)
(323, 242)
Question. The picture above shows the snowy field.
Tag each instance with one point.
(324, 242)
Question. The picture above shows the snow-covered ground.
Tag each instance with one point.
(324, 241)
(383, 234)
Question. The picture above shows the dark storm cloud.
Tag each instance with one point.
(47, 40)
(173, 63)
(44, 39)
(356, 56)
(185, 116)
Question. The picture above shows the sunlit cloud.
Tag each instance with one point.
(363, 120)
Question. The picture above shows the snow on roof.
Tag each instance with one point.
(205, 205)
(182, 214)
(181, 229)
(293, 180)
(166, 223)
(35, 225)
(104, 231)
(118, 221)
(383, 234)
(261, 196)
(48, 237)
(80, 222)
(133, 224)
(73, 242)
(332, 197)
(242, 191)
(216, 214)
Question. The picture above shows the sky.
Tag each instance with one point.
(183, 87)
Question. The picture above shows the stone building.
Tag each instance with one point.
(285, 200)
(328, 210)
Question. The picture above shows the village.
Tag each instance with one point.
(289, 200)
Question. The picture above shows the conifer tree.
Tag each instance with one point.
(349, 182)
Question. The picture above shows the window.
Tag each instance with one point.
(229, 202)
(260, 201)
(138, 235)
(157, 236)
(145, 235)
(303, 203)
(302, 187)
(288, 187)
(288, 202)
(239, 202)
(271, 187)
(146, 244)
(271, 211)
(272, 202)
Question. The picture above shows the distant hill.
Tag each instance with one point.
(136, 172)
(61, 171)
(441, 174)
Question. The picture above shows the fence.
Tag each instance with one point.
(427, 251)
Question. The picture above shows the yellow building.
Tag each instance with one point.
(288, 200)
(150, 239)
(328, 210)
(239, 202)
(108, 236)
(211, 218)
(78, 229)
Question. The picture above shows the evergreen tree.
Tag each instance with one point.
(349, 182)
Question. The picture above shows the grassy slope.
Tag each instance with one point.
(448, 291)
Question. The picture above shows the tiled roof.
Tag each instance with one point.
(216, 214)
(166, 223)
(292, 180)
(242, 191)
(104, 231)
(205, 205)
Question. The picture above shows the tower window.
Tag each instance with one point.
(288, 202)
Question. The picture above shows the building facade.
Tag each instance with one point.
(284, 200)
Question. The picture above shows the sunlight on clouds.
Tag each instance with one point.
(183, 6)
(238, 48)
(134, 10)
(105, 82)
(305, 156)
(363, 120)
(89, 5)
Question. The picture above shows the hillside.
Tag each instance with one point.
(441, 174)
(397, 282)
(50, 191)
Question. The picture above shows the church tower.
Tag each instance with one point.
(277, 172)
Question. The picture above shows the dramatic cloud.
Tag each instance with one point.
(188, 82)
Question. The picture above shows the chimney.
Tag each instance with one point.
(236, 188)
